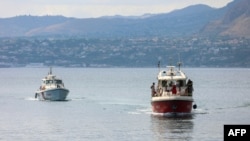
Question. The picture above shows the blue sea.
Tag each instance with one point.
(111, 104)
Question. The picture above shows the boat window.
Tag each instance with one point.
(164, 83)
(180, 82)
(170, 83)
(59, 81)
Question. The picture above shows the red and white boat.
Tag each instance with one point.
(173, 93)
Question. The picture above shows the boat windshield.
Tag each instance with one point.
(58, 81)
(49, 81)
(53, 82)
(166, 83)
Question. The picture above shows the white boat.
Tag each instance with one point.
(52, 88)
(173, 93)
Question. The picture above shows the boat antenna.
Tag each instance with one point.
(159, 65)
(50, 70)
(170, 58)
(179, 63)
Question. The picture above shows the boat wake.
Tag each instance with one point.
(31, 99)
(243, 105)
(128, 107)
(199, 111)
(180, 115)
(138, 111)
(173, 115)
(77, 98)
(36, 99)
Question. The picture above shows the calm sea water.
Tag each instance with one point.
(110, 104)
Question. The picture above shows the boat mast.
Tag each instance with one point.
(159, 65)
(179, 63)
(170, 58)
(50, 70)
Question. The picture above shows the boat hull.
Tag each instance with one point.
(57, 94)
(172, 106)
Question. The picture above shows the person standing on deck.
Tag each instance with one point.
(190, 87)
(153, 92)
(174, 91)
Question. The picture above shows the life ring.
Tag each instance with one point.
(194, 106)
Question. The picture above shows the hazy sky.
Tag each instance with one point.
(97, 8)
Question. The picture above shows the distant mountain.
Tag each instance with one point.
(235, 22)
(183, 22)
(22, 25)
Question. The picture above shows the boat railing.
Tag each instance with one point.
(166, 91)
(51, 85)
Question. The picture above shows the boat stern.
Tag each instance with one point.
(172, 105)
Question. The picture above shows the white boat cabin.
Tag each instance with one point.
(51, 81)
(172, 82)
